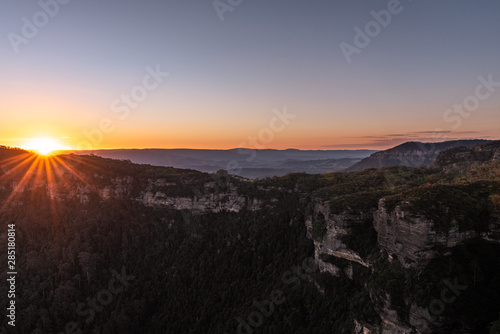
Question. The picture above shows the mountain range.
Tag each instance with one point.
(250, 163)
(253, 164)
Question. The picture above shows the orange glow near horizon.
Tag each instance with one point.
(50, 141)
(44, 146)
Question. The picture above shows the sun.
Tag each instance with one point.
(45, 146)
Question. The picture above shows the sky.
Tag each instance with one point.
(221, 74)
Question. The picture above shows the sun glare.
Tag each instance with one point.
(44, 146)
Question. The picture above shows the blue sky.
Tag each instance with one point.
(226, 77)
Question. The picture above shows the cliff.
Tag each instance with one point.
(386, 243)
(410, 239)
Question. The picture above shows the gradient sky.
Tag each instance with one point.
(226, 77)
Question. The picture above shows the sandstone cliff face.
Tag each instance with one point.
(337, 226)
(407, 236)
(209, 199)
(228, 201)
(419, 319)
(116, 189)
(412, 238)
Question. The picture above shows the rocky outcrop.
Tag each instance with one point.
(412, 238)
(420, 321)
(337, 226)
(361, 328)
(208, 201)
(390, 322)
(214, 202)
(410, 235)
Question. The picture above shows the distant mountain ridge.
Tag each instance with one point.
(244, 162)
(411, 154)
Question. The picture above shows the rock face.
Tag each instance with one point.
(411, 154)
(420, 320)
(229, 201)
(408, 236)
(390, 320)
(208, 199)
(337, 226)
(411, 237)
(340, 225)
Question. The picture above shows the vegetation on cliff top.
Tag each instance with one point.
(202, 272)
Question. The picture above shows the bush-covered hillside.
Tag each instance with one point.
(82, 227)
